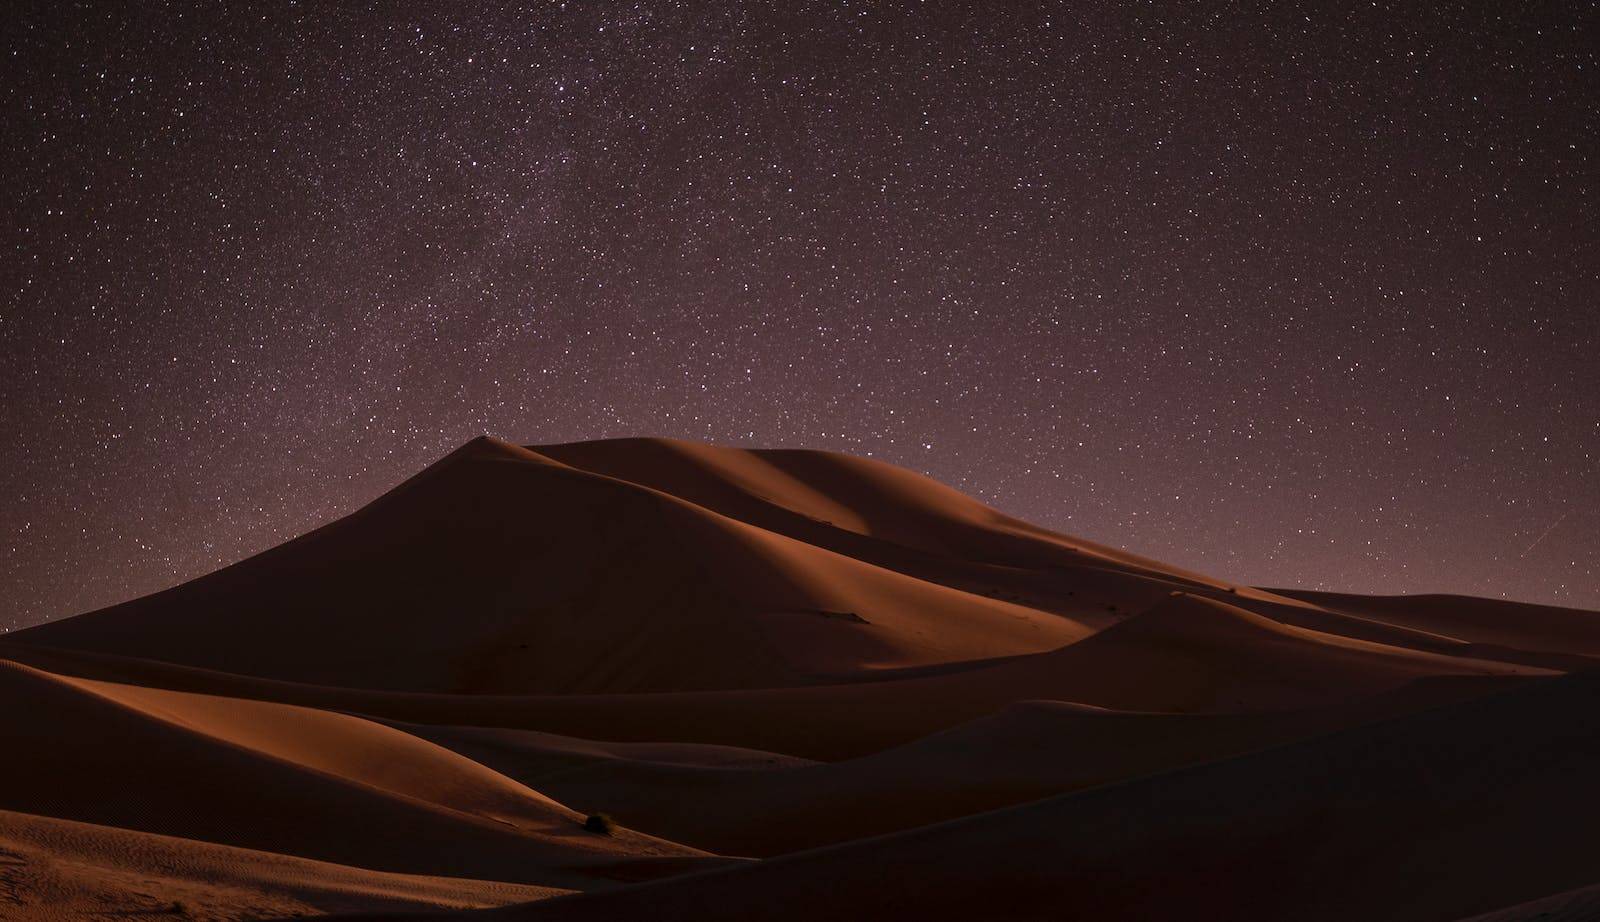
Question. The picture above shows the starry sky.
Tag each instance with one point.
(1292, 293)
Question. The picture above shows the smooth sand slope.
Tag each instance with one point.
(277, 778)
(1429, 817)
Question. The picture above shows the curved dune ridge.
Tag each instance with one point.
(856, 495)
(800, 684)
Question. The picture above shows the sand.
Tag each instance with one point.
(1436, 815)
(802, 685)
(54, 870)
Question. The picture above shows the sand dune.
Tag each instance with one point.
(906, 703)
(499, 571)
(1193, 653)
(1186, 655)
(743, 802)
(1428, 817)
(54, 870)
(1544, 628)
(560, 580)
(1218, 659)
(770, 488)
(261, 776)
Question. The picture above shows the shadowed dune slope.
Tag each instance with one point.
(1428, 817)
(499, 570)
(742, 802)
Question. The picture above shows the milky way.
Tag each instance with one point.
(1291, 294)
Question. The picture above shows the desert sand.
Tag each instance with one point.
(803, 685)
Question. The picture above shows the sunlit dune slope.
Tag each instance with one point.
(783, 489)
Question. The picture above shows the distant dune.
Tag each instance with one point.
(802, 685)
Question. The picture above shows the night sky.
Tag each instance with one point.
(1291, 294)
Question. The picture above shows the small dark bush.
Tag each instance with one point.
(601, 823)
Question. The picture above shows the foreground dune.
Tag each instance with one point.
(1433, 816)
(906, 704)
(743, 802)
(54, 870)
(277, 778)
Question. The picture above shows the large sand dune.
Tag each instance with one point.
(906, 704)
(499, 570)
